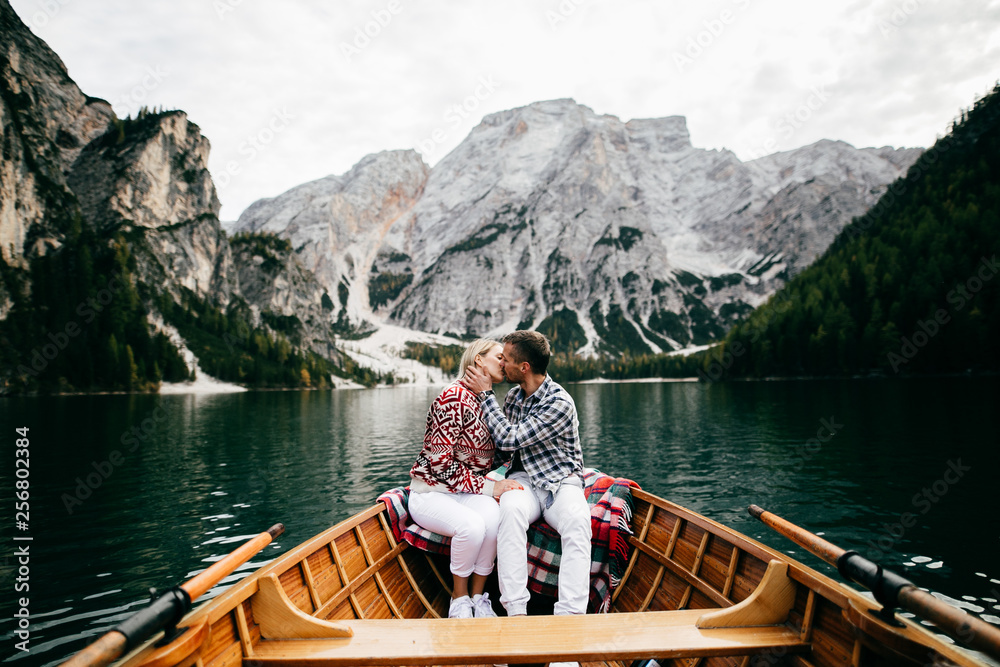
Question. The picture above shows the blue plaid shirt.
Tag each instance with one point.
(543, 427)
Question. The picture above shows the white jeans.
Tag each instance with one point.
(570, 515)
(469, 519)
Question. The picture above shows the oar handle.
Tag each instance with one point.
(203, 582)
(167, 610)
(890, 589)
(828, 551)
(104, 651)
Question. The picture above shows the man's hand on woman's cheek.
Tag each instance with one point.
(477, 380)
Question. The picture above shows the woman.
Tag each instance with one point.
(449, 493)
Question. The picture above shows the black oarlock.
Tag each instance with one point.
(884, 584)
(165, 611)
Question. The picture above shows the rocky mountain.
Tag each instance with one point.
(46, 122)
(149, 181)
(610, 236)
(338, 224)
(92, 204)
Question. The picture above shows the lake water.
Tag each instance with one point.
(194, 475)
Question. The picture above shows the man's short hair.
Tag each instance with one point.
(532, 347)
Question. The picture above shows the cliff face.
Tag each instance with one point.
(148, 179)
(46, 121)
(135, 186)
(833, 183)
(338, 224)
(550, 213)
(282, 293)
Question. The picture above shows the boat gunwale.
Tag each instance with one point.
(243, 589)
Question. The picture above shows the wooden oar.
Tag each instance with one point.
(890, 589)
(166, 611)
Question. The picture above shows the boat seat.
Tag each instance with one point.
(753, 626)
(527, 639)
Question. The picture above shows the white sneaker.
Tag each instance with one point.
(564, 664)
(460, 607)
(482, 607)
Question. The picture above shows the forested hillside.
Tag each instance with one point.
(83, 323)
(910, 287)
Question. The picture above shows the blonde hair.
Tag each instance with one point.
(476, 347)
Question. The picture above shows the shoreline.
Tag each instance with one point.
(631, 380)
(593, 381)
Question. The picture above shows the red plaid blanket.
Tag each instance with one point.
(611, 516)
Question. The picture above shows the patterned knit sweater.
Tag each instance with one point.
(458, 449)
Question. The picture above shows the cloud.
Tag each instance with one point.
(356, 77)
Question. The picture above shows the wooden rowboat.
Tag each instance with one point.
(695, 593)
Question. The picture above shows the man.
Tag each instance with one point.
(539, 428)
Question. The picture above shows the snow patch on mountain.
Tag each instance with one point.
(383, 352)
(203, 383)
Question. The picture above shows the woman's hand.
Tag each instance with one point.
(477, 380)
(504, 485)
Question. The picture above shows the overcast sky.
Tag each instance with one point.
(294, 90)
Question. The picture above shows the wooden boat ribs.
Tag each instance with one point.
(694, 593)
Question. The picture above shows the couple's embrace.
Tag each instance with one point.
(536, 432)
